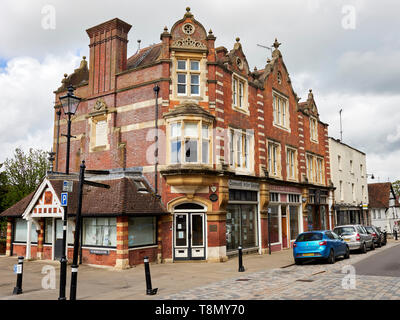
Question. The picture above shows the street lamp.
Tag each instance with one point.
(69, 104)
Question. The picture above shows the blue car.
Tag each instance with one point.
(325, 245)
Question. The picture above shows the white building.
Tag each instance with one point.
(349, 176)
(384, 206)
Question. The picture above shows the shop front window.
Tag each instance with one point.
(241, 226)
(294, 222)
(142, 231)
(20, 231)
(100, 232)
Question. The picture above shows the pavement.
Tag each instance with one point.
(266, 277)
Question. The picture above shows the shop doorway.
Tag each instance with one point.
(284, 222)
(189, 232)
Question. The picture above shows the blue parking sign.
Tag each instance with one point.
(64, 199)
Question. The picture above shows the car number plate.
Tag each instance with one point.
(347, 240)
(308, 254)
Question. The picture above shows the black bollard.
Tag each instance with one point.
(20, 270)
(149, 290)
(241, 268)
(395, 234)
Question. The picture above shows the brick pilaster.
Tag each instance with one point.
(9, 237)
(122, 261)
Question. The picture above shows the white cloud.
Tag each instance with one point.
(27, 101)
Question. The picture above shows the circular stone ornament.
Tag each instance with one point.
(188, 28)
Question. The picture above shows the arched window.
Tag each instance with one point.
(189, 206)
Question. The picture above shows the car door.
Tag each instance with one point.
(365, 236)
(332, 241)
(341, 244)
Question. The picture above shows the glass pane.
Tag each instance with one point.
(182, 64)
(194, 79)
(205, 151)
(34, 235)
(294, 222)
(204, 131)
(142, 231)
(175, 130)
(48, 231)
(194, 65)
(190, 129)
(233, 239)
(20, 230)
(59, 229)
(274, 220)
(182, 78)
(195, 89)
(191, 151)
(249, 227)
(175, 151)
(180, 230)
(197, 230)
(181, 89)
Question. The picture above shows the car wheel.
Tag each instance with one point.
(298, 262)
(364, 248)
(331, 258)
(347, 254)
(372, 246)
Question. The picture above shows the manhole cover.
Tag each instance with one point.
(243, 280)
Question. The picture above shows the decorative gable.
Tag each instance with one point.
(45, 203)
(188, 33)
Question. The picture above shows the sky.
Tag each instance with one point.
(346, 51)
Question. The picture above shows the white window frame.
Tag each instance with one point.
(240, 100)
(281, 115)
(183, 138)
(313, 129)
(241, 158)
(291, 163)
(188, 72)
(274, 157)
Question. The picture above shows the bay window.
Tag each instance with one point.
(194, 138)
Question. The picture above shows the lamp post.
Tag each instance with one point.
(69, 104)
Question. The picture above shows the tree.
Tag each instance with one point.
(22, 174)
(396, 187)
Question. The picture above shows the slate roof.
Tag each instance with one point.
(145, 56)
(123, 198)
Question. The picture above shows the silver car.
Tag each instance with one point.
(356, 236)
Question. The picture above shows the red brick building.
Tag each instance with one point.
(236, 147)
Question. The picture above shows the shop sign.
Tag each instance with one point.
(243, 185)
(100, 252)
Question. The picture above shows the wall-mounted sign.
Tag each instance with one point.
(213, 189)
(100, 252)
(243, 185)
(67, 186)
(64, 199)
(213, 197)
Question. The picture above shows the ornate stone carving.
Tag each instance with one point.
(188, 43)
(100, 105)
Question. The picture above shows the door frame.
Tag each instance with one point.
(188, 213)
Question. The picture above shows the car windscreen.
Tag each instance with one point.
(370, 229)
(313, 236)
(344, 230)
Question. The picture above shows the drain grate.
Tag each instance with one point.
(242, 279)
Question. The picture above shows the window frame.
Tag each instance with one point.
(281, 111)
(183, 138)
(188, 72)
(313, 129)
(240, 93)
(242, 140)
(291, 163)
(274, 161)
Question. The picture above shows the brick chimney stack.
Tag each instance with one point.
(108, 54)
